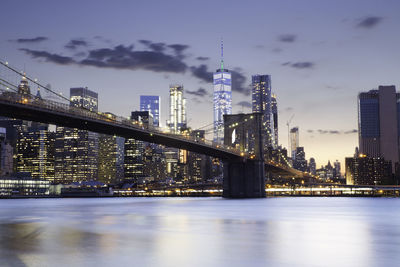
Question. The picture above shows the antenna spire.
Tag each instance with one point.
(222, 55)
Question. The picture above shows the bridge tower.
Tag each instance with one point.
(244, 177)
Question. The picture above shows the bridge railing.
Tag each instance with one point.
(46, 104)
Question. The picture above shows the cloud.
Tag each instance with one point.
(201, 92)
(320, 131)
(75, 43)
(158, 47)
(202, 73)
(49, 57)
(239, 81)
(178, 48)
(246, 104)
(328, 131)
(156, 57)
(202, 58)
(31, 40)
(351, 131)
(287, 38)
(369, 22)
(300, 65)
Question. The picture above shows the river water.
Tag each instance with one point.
(200, 232)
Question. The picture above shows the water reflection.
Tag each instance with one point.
(200, 232)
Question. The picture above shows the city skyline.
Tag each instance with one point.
(317, 74)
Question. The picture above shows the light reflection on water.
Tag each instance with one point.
(200, 232)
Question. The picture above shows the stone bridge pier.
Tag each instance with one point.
(244, 177)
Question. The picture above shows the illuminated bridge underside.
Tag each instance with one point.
(35, 112)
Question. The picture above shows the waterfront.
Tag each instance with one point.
(200, 232)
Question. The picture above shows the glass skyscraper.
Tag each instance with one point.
(177, 109)
(262, 103)
(222, 99)
(379, 123)
(76, 151)
(152, 104)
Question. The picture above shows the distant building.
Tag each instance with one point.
(364, 170)
(24, 185)
(177, 109)
(76, 151)
(312, 166)
(134, 149)
(275, 118)
(34, 151)
(294, 141)
(197, 162)
(300, 162)
(23, 87)
(262, 103)
(337, 170)
(152, 104)
(111, 159)
(222, 98)
(6, 154)
(379, 123)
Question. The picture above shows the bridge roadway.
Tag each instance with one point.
(18, 106)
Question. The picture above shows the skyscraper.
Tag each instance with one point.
(379, 123)
(76, 151)
(34, 151)
(111, 159)
(177, 109)
(294, 141)
(222, 98)
(312, 166)
(300, 162)
(262, 103)
(152, 104)
(274, 108)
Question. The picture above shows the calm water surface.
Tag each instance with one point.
(200, 232)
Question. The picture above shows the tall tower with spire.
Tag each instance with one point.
(222, 98)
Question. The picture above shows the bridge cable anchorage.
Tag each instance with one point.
(32, 80)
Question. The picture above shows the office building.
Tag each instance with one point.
(262, 103)
(379, 123)
(6, 154)
(153, 105)
(300, 162)
(274, 109)
(76, 151)
(177, 109)
(222, 98)
(34, 151)
(294, 141)
(197, 162)
(363, 170)
(134, 165)
(312, 166)
(111, 159)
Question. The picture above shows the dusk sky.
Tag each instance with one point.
(319, 54)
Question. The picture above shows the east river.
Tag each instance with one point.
(314, 231)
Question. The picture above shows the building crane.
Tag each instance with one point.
(288, 133)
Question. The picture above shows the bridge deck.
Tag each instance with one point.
(46, 111)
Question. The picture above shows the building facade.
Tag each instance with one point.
(76, 151)
(294, 141)
(262, 103)
(222, 98)
(363, 170)
(177, 109)
(153, 105)
(379, 123)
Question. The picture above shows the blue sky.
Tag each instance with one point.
(320, 54)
